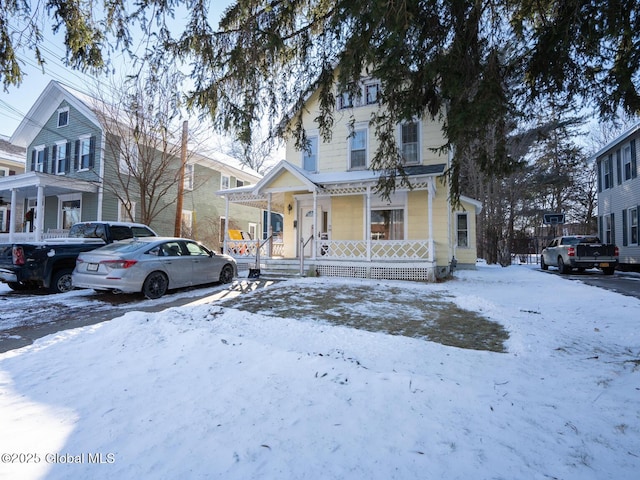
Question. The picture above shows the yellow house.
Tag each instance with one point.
(335, 224)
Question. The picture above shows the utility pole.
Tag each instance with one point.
(183, 161)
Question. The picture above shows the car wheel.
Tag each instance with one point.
(562, 267)
(543, 265)
(609, 270)
(155, 285)
(226, 274)
(61, 281)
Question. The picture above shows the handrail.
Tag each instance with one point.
(260, 245)
(302, 245)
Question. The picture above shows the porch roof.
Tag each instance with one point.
(27, 185)
(297, 179)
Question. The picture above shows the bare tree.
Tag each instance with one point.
(143, 130)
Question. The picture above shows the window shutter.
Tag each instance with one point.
(33, 160)
(54, 159)
(46, 160)
(624, 228)
(92, 151)
(619, 166)
(634, 164)
(599, 171)
(76, 157)
(67, 158)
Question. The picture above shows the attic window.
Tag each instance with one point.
(63, 117)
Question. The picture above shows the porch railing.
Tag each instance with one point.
(22, 237)
(248, 248)
(380, 250)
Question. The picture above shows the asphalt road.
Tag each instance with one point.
(620, 282)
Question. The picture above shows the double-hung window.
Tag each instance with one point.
(225, 182)
(61, 157)
(39, 159)
(409, 143)
(607, 172)
(626, 161)
(462, 229)
(633, 226)
(606, 229)
(358, 150)
(188, 176)
(84, 152)
(371, 92)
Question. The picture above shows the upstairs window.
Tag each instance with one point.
(188, 176)
(626, 161)
(128, 158)
(63, 117)
(61, 157)
(85, 153)
(310, 155)
(409, 143)
(607, 172)
(371, 92)
(358, 150)
(39, 159)
(225, 182)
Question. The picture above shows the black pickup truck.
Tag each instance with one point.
(48, 264)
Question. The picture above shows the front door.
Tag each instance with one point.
(306, 230)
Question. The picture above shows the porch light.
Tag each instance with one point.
(289, 208)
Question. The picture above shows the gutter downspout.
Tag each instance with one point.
(226, 224)
(101, 175)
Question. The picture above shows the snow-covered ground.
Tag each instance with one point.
(202, 391)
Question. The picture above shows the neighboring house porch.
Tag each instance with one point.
(34, 196)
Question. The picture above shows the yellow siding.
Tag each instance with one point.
(347, 222)
(286, 179)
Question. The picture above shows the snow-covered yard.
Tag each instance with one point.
(206, 391)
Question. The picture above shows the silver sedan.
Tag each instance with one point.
(151, 265)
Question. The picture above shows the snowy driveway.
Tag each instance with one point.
(208, 391)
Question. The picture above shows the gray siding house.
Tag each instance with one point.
(69, 173)
(619, 196)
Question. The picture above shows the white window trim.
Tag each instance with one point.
(82, 139)
(360, 128)
(468, 245)
(637, 242)
(38, 149)
(222, 182)
(312, 134)
(60, 111)
(189, 176)
(55, 160)
(123, 214)
(419, 133)
(70, 197)
(626, 161)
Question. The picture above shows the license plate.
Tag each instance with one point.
(604, 264)
(92, 267)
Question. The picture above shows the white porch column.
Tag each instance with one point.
(12, 220)
(39, 213)
(430, 196)
(367, 222)
(269, 228)
(314, 243)
(226, 224)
